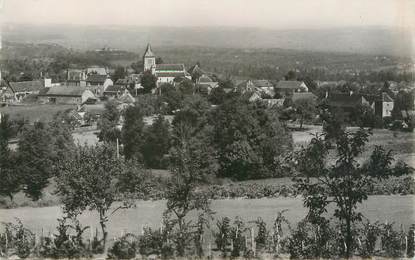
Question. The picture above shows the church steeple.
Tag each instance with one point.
(149, 59)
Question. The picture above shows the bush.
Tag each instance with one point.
(124, 248)
(64, 244)
(17, 240)
(155, 242)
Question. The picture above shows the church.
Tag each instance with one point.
(165, 73)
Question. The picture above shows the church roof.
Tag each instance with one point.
(289, 84)
(149, 52)
(169, 67)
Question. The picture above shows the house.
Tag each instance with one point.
(115, 90)
(303, 95)
(287, 87)
(6, 92)
(96, 70)
(346, 102)
(165, 73)
(263, 87)
(98, 83)
(205, 84)
(382, 104)
(22, 89)
(67, 95)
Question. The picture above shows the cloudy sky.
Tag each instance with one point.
(247, 13)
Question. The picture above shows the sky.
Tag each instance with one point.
(278, 14)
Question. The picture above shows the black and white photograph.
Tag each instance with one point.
(207, 129)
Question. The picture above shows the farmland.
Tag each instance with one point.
(34, 112)
(398, 209)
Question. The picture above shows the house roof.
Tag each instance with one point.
(289, 84)
(149, 53)
(126, 98)
(115, 88)
(70, 91)
(96, 78)
(196, 69)
(26, 86)
(303, 95)
(98, 70)
(169, 67)
(345, 100)
(205, 79)
(262, 83)
(170, 74)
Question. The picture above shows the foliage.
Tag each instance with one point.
(133, 133)
(182, 194)
(92, 181)
(10, 179)
(305, 109)
(156, 241)
(217, 96)
(108, 124)
(35, 159)
(248, 138)
(346, 180)
(171, 97)
(17, 239)
(64, 244)
(156, 143)
(119, 73)
(124, 248)
(148, 81)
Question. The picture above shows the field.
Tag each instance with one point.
(34, 112)
(401, 143)
(398, 209)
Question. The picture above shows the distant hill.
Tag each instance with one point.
(365, 40)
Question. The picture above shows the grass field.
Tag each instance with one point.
(34, 112)
(398, 209)
(401, 143)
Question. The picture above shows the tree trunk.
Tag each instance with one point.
(102, 222)
(349, 238)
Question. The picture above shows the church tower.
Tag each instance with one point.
(149, 59)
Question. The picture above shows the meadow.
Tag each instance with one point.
(397, 209)
(34, 112)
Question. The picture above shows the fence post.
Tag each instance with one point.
(7, 244)
(406, 246)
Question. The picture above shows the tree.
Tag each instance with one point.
(108, 123)
(148, 81)
(403, 102)
(182, 194)
(344, 182)
(248, 138)
(94, 180)
(35, 157)
(291, 75)
(159, 60)
(186, 87)
(133, 133)
(194, 116)
(119, 73)
(171, 97)
(156, 143)
(363, 116)
(10, 179)
(217, 96)
(305, 109)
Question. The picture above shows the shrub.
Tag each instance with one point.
(64, 244)
(368, 237)
(392, 241)
(124, 248)
(17, 240)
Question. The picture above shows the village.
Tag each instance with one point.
(87, 89)
(207, 130)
